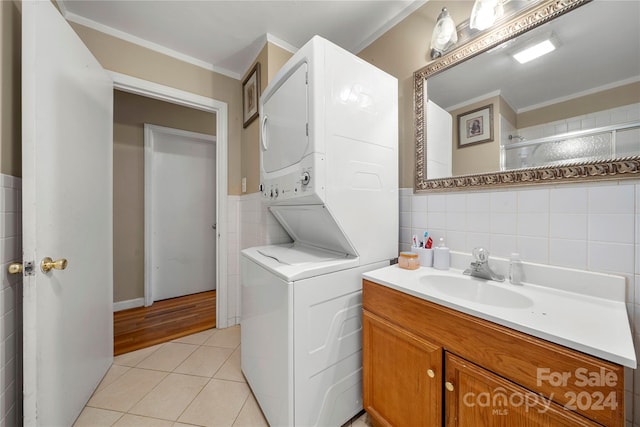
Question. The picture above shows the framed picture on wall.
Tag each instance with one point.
(250, 94)
(476, 126)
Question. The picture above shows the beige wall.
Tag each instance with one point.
(10, 89)
(127, 58)
(271, 59)
(251, 134)
(401, 51)
(130, 113)
(604, 100)
(479, 158)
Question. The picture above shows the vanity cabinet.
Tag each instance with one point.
(477, 397)
(403, 375)
(428, 365)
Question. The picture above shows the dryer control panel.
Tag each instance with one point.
(302, 182)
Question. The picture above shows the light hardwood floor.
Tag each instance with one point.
(164, 321)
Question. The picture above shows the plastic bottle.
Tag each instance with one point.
(515, 269)
(441, 256)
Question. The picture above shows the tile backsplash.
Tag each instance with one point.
(11, 302)
(593, 227)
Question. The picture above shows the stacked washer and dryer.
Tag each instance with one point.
(329, 174)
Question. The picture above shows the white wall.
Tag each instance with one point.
(255, 226)
(594, 227)
(10, 302)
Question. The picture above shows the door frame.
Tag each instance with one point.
(150, 133)
(153, 90)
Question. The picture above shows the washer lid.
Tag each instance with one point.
(313, 226)
(295, 261)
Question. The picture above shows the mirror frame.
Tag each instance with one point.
(546, 10)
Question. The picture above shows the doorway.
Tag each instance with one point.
(133, 85)
(180, 202)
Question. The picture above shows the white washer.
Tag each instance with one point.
(302, 334)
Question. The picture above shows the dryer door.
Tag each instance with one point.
(284, 135)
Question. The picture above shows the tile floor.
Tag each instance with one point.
(191, 381)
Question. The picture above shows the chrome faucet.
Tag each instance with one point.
(480, 267)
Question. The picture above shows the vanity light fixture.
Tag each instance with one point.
(536, 50)
(444, 34)
(485, 13)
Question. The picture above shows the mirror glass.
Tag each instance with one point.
(579, 103)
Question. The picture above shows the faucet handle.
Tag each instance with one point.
(481, 254)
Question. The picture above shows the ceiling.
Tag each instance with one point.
(226, 36)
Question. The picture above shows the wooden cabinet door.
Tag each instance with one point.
(475, 397)
(402, 376)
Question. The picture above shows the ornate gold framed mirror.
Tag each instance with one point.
(596, 164)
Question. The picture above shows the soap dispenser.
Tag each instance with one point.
(441, 256)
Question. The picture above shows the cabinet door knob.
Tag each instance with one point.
(431, 373)
(448, 386)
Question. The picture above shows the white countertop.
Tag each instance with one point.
(590, 324)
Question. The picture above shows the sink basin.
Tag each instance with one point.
(477, 291)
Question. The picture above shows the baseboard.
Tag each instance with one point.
(124, 305)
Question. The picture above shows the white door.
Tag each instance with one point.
(67, 213)
(180, 212)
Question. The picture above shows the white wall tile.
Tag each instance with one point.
(436, 220)
(475, 240)
(588, 122)
(631, 289)
(418, 203)
(574, 124)
(534, 249)
(457, 221)
(503, 245)
(418, 219)
(611, 257)
(479, 222)
(405, 235)
(533, 201)
(456, 240)
(437, 203)
(568, 226)
(633, 113)
(479, 202)
(603, 118)
(560, 128)
(609, 199)
(570, 199)
(504, 223)
(618, 115)
(533, 224)
(504, 202)
(614, 228)
(11, 301)
(406, 203)
(456, 203)
(405, 219)
(568, 253)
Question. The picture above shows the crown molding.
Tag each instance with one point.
(122, 35)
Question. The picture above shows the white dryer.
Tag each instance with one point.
(329, 173)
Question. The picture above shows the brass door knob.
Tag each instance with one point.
(448, 386)
(48, 264)
(15, 268)
(430, 373)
